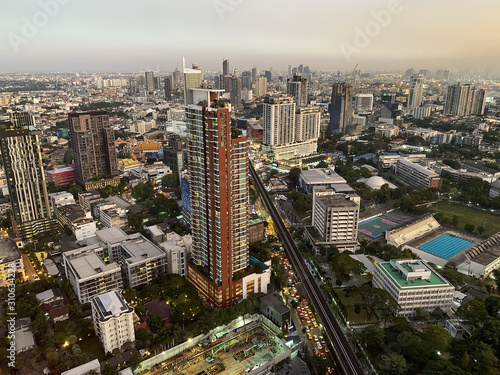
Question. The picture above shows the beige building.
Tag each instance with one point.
(113, 320)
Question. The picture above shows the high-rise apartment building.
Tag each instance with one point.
(416, 91)
(150, 82)
(279, 121)
(225, 67)
(363, 102)
(168, 87)
(464, 100)
(255, 74)
(193, 78)
(297, 87)
(246, 80)
(235, 92)
(218, 169)
(340, 107)
(22, 159)
(260, 87)
(307, 123)
(176, 77)
(94, 152)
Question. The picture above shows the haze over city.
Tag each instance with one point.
(68, 36)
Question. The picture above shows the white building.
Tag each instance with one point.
(483, 258)
(85, 368)
(363, 102)
(113, 320)
(321, 178)
(89, 275)
(413, 284)
(176, 258)
(416, 175)
(62, 198)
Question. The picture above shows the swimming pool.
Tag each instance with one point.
(446, 245)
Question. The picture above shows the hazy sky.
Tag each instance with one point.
(126, 35)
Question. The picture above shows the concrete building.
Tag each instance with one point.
(414, 285)
(272, 307)
(94, 152)
(87, 199)
(260, 87)
(307, 124)
(88, 275)
(465, 100)
(340, 108)
(113, 320)
(218, 172)
(416, 175)
(22, 161)
(61, 176)
(297, 88)
(80, 222)
(9, 256)
(24, 337)
(176, 257)
(322, 178)
(483, 258)
(84, 369)
(193, 78)
(61, 198)
(363, 103)
(334, 220)
(416, 91)
(279, 122)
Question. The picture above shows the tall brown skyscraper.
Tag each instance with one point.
(218, 169)
(94, 153)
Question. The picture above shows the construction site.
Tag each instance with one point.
(251, 348)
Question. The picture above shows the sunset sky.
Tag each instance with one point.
(126, 36)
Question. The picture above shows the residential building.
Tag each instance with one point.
(94, 152)
(87, 199)
(167, 81)
(113, 320)
(225, 67)
(218, 173)
(24, 337)
(279, 121)
(61, 176)
(20, 147)
(80, 222)
(465, 100)
(340, 108)
(236, 92)
(256, 230)
(150, 82)
(334, 220)
(297, 88)
(61, 198)
(416, 91)
(10, 256)
(260, 87)
(307, 124)
(414, 285)
(416, 175)
(176, 257)
(193, 78)
(322, 178)
(88, 275)
(363, 103)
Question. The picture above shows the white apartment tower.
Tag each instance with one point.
(416, 91)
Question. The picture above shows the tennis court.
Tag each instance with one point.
(375, 226)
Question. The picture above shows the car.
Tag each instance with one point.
(319, 346)
(309, 337)
(315, 338)
(315, 324)
(307, 329)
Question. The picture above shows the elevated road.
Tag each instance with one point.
(343, 350)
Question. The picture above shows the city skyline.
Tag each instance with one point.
(55, 35)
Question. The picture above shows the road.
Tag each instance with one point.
(343, 350)
(28, 268)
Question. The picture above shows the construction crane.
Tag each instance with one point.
(212, 357)
(353, 77)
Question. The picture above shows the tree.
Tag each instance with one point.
(155, 323)
(68, 156)
(422, 314)
(454, 221)
(143, 191)
(473, 311)
(295, 175)
(109, 370)
(52, 358)
(75, 189)
(135, 360)
(492, 304)
(343, 266)
(437, 337)
(480, 230)
(170, 181)
(142, 335)
(440, 366)
(375, 299)
(373, 338)
(469, 227)
(394, 364)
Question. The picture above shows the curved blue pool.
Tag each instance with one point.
(446, 245)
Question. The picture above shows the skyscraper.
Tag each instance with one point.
(22, 160)
(255, 74)
(416, 91)
(279, 121)
(176, 77)
(340, 107)
(246, 80)
(225, 67)
(297, 87)
(218, 170)
(464, 100)
(168, 87)
(193, 78)
(236, 92)
(260, 87)
(94, 153)
(150, 82)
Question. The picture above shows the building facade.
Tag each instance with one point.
(94, 153)
(414, 285)
(113, 320)
(416, 91)
(218, 172)
(416, 175)
(340, 108)
(22, 159)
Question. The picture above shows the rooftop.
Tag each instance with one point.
(84, 369)
(9, 251)
(419, 168)
(111, 235)
(110, 304)
(431, 278)
(86, 263)
(276, 303)
(322, 176)
(139, 249)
